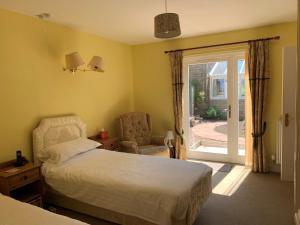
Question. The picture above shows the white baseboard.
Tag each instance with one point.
(297, 217)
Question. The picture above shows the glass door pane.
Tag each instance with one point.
(208, 107)
(241, 106)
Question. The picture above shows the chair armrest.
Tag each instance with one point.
(157, 140)
(129, 146)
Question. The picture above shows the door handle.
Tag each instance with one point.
(286, 119)
(229, 111)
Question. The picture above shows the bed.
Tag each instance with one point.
(13, 212)
(123, 188)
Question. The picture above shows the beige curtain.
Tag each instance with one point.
(177, 83)
(248, 118)
(259, 74)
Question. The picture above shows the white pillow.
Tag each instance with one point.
(62, 152)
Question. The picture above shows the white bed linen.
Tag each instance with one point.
(13, 212)
(148, 187)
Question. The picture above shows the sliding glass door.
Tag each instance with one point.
(214, 107)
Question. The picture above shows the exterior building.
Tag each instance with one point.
(208, 90)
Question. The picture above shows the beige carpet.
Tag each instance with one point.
(261, 199)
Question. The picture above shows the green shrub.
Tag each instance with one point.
(212, 113)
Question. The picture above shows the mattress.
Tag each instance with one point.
(13, 212)
(155, 189)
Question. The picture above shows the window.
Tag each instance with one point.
(242, 91)
(218, 87)
(241, 77)
(218, 80)
(209, 80)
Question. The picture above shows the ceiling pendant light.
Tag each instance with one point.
(166, 25)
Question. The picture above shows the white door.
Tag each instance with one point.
(214, 117)
(289, 87)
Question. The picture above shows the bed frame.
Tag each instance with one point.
(56, 130)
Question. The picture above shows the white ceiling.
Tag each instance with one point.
(131, 21)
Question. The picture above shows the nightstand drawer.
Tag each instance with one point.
(23, 178)
(112, 143)
(111, 146)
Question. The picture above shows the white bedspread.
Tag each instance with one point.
(151, 188)
(13, 212)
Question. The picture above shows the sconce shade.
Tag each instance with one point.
(169, 135)
(96, 64)
(166, 25)
(73, 61)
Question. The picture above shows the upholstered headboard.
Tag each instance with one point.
(51, 131)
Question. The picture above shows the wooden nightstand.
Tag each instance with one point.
(112, 144)
(22, 183)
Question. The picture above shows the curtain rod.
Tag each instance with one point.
(224, 44)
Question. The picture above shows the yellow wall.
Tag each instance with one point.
(33, 85)
(152, 80)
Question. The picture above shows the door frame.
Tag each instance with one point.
(230, 57)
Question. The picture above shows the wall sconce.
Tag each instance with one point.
(96, 64)
(74, 61)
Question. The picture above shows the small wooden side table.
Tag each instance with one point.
(22, 183)
(112, 143)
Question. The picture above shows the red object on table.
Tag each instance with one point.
(103, 134)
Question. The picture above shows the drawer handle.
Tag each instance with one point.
(25, 177)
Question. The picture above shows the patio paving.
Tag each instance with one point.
(214, 134)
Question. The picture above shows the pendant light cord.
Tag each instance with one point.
(166, 5)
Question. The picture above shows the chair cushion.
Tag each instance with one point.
(152, 149)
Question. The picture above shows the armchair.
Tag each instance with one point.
(136, 135)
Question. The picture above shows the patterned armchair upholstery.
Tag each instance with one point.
(136, 135)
